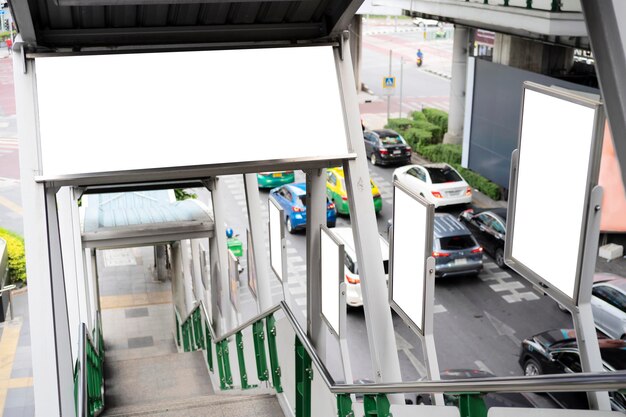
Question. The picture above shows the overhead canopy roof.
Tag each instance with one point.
(114, 23)
(142, 218)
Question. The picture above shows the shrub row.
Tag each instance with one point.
(424, 133)
(17, 259)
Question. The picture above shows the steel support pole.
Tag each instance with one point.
(457, 86)
(428, 342)
(315, 218)
(380, 332)
(217, 199)
(256, 225)
(590, 358)
(48, 397)
(62, 337)
(605, 25)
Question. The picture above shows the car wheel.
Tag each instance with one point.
(373, 159)
(532, 367)
(500, 258)
(290, 228)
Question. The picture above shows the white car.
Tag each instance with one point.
(421, 22)
(440, 184)
(608, 304)
(354, 297)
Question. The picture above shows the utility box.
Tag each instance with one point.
(611, 251)
(4, 276)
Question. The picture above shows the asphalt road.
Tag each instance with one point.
(479, 321)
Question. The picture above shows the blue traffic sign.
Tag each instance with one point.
(389, 82)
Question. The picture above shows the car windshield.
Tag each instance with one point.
(441, 175)
(456, 242)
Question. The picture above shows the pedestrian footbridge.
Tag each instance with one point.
(134, 296)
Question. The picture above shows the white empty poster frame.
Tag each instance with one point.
(332, 255)
(125, 112)
(551, 181)
(252, 275)
(233, 279)
(277, 237)
(411, 246)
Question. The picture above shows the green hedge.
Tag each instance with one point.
(424, 133)
(437, 117)
(17, 259)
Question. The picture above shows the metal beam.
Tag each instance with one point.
(169, 174)
(24, 21)
(340, 22)
(111, 37)
(605, 24)
(380, 332)
(155, 2)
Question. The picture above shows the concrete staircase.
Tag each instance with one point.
(175, 385)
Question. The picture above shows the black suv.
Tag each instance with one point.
(556, 352)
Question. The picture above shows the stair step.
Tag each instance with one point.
(265, 405)
(171, 377)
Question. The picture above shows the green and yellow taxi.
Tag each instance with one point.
(336, 191)
(275, 179)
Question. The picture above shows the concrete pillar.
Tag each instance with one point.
(356, 30)
(187, 282)
(160, 254)
(178, 289)
(532, 55)
(456, 114)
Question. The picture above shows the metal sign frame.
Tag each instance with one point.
(251, 261)
(592, 180)
(427, 309)
(279, 274)
(342, 294)
(233, 279)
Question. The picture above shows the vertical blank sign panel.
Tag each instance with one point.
(332, 268)
(409, 238)
(252, 277)
(555, 154)
(233, 275)
(276, 237)
(117, 112)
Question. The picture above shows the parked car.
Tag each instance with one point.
(556, 352)
(455, 250)
(386, 146)
(292, 198)
(354, 297)
(274, 179)
(440, 184)
(488, 227)
(336, 191)
(421, 22)
(493, 399)
(608, 303)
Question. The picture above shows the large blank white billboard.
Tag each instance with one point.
(558, 166)
(411, 245)
(332, 270)
(118, 112)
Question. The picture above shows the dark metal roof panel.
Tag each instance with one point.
(107, 23)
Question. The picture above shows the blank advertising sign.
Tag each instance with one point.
(332, 261)
(411, 245)
(123, 112)
(252, 277)
(233, 278)
(557, 168)
(277, 234)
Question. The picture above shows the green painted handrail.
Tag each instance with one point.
(304, 376)
(89, 373)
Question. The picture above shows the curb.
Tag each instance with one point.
(439, 74)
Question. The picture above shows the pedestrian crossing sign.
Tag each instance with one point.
(389, 82)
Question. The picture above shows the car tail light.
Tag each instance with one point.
(344, 197)
(297, 209)
(478, 250)
(331, 206)
(440, 254)
(383, 151)
(468, 191)
(352, 280)
(436, 194)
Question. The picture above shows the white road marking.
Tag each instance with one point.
(481, 365)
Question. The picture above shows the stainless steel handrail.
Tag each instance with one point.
(591, 381)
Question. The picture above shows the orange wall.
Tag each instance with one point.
(614, 200)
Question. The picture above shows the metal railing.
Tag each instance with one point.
(602, 381)
(89, 372)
